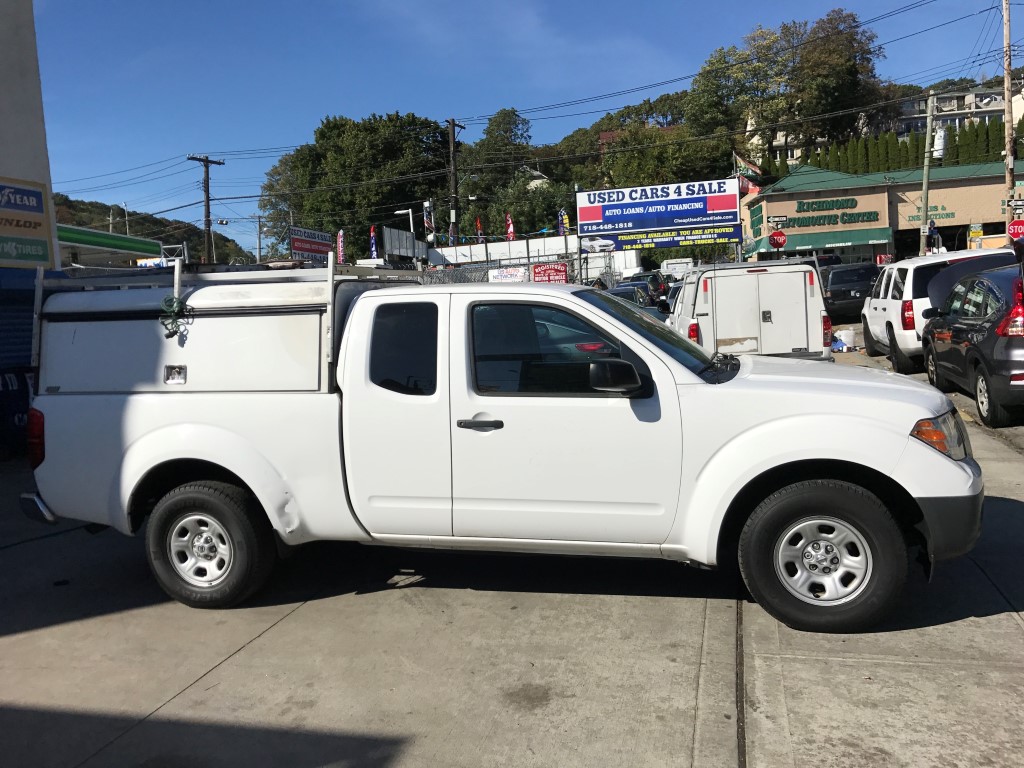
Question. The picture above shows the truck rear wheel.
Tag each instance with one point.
(823, 556)
(208, 544)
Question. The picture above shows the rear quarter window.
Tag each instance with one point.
(923, 275)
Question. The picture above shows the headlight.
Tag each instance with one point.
(946, 434)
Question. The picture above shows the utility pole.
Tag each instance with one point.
(125, 206)
(259, 238)
(927, 165)
(453, 226)
(207, 236)
(1007, 115)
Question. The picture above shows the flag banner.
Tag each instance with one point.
(561, 222)
(341, 246)
(373, 242)
(428, 218)
(453, 234)
(479, 231)
(746, 169)
(564, 229)
(510, 229)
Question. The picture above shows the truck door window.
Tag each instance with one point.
(534, 349)
(403, 348)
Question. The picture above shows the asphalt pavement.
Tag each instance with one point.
(361, 656)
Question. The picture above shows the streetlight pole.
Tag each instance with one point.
(409, 211)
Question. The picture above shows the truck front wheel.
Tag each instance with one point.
(824, 556)
(208, 544)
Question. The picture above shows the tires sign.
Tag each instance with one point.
(1016, 228)
(777, 239)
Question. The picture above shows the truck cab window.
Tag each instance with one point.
(403, 348)
(533, 349)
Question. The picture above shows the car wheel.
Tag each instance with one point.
(931, 365)
(823, 556)
(209, 545)
(870, 348)
(900, 362)
(992, 412)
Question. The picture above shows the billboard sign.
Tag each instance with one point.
(309, 244)
(659, 216)
(556, 272)
(26, 239)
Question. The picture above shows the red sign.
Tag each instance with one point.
(1016, 228)
(777, 239)
(557, 272)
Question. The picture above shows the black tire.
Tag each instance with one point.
(784, 529)
(990, 410)
(210, 514)
(870, 348)
(931, 366)
(900, 362)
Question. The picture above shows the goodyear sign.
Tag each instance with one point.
(25, 236)
(661, 215)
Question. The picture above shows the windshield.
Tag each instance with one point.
(680, 349)
(847, 276)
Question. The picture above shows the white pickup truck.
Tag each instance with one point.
(278, 409)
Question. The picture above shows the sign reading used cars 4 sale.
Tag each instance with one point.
(661, 215)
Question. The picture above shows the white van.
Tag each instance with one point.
(772, 308)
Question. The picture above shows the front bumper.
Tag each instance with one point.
(952, 524)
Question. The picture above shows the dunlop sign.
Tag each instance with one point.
(26, 239)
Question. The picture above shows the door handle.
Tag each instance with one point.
(479, 424)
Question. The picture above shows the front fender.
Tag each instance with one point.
(217, 446)
(743, 458)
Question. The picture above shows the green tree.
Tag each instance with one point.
(905, 154)
(981, 150)
(768, 165)
(893, 142)
(1019, 139)
(835, 71)
(968, 140)
(862, 155)
(882, 144)
(834, 162)
(996, 140)
(714, 100)
(844, 159)
(872, 148)
(912, 150)
(356, 174)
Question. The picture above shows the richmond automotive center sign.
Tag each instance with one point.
(660, 216)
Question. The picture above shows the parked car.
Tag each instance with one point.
(846, 286)
(975, 340)
(891, 315)
(655, 279)
(760, 308)
(631, 292)
(647, 293)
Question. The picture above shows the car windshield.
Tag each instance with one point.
(847, 276)
(680, 349)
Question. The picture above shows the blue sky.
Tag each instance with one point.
(129, 83)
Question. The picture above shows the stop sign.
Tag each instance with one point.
(1016, 228)
(777, 239)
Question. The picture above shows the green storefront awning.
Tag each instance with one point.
(92, 238)
(819, 240)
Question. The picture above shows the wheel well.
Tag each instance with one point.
(896, 499)
(164, 478)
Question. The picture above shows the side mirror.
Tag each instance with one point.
(663, 307)
(929, 312)
(614, 376)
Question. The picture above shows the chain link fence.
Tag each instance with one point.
(479, 273)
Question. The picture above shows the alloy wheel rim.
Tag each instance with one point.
(199, 550)
(981, 394)
(823, 561)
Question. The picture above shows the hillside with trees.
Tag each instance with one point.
(94, 215)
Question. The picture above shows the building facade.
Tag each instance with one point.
(860, 217)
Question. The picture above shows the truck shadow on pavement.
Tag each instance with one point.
(93, 739)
